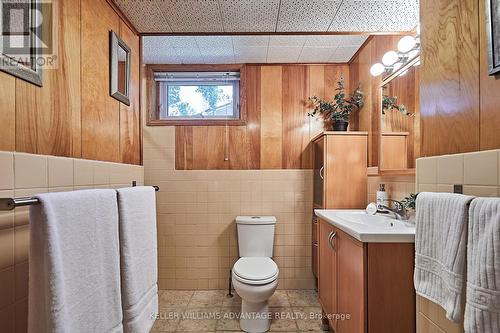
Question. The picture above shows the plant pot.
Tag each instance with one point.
(340, 126)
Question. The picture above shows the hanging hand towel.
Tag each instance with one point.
(137, 215)
(482, 308)
(74, 263)
(440, 250)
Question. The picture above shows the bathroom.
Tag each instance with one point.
(260, 209)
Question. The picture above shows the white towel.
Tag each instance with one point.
(482, 308)
(440, 250)
(139, 272)
(74, 265)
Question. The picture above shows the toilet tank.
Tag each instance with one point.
(255, 235)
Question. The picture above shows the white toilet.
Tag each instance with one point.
(255, 274)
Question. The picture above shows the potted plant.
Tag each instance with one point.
(410, 203)
(390, 103)
(340, 108)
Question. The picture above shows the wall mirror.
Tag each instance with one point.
(119, 69)
(400, 119)
(21, 43)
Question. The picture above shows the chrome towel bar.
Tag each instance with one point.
(11, 203)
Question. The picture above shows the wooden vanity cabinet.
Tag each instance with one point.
(340, 176)
(365, 287)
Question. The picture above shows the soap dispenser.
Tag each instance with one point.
(382, 196)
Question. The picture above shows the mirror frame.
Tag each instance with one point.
(29, 74)
(114, 43)
(384, 82)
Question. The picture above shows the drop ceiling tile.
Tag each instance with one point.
(248, 41)
(168, 41)
(214, 42)
(287, 41)
(283, 54)
(323, 41)
(144, 15)
(299, 15)
(352, 40)
(189, 55)
(217, 52)
(159, 58)
(249, 15)
(343, 54)
(192, 15)
(316, 54)
(403, 15)
(358, 15)
(257, 54)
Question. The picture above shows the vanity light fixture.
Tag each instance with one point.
(377, 69)
(397, 66)
(390, 58)
(408, 48)
(406, 44)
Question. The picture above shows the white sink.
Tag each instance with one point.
(369, 228)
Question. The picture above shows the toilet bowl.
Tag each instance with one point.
(255, 280)
(255, 274)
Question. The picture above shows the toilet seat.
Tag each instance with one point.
(255, 270)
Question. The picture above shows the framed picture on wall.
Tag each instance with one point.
(493, 35)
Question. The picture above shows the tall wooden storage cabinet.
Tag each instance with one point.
(340, 176)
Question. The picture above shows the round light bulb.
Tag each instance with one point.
(412, 54)
(406, 44)
(377, 69)
(390, 58)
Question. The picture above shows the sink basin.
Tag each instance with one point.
(369, 228)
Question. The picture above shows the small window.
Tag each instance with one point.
(198, 96)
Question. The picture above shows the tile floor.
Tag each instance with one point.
(212, 311)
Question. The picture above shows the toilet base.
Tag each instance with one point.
(255, 317)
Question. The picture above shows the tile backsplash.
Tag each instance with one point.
(28, 174)
(196, 210)
(478, 172)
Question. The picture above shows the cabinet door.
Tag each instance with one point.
(327, 280)
(319, 172)
(351, 283)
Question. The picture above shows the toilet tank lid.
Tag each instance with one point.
(255, 219)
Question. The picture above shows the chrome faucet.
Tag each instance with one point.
(399, 210)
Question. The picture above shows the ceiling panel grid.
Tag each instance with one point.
(250, 49)
(233, 16)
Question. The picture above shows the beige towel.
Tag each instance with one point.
(74, 263)
(482, 308)
(440, 250)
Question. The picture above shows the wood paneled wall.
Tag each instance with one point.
(368, 117)
(72, 114)
(278, 131)
(459, 101)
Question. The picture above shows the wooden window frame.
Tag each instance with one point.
(153, 98)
